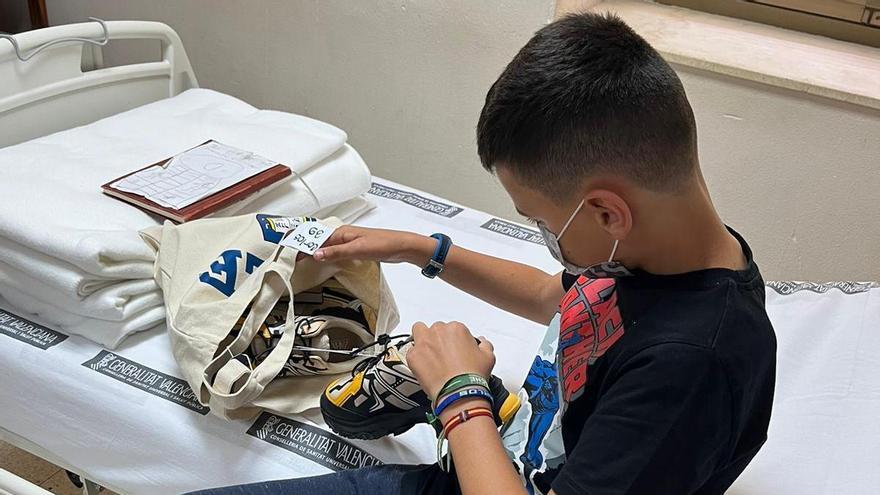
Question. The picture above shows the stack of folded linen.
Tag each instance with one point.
(73, 256)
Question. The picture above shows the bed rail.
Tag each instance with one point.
(11, 484)
(50, 91)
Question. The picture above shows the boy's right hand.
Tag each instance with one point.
(389, 246)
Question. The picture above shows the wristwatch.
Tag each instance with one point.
(436, 263)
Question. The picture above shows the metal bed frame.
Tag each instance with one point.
(54, 79)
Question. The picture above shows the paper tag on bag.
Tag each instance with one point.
(308, 237)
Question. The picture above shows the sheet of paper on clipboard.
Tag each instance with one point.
(194, 174)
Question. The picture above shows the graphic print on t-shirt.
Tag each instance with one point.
(533, 439)
(590, 323)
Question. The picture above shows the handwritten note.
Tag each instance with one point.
(308, 237)
(194, 174)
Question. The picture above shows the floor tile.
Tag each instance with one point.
(60, 484)
(26, 465)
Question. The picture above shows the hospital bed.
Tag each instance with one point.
(125, 420)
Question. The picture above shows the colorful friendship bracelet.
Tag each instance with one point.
(463, 416)
(453, 423)
(451, 390)
(458, 382)
(433, 419)
(467, 393)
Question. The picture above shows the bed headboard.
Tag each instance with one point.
(51, 92)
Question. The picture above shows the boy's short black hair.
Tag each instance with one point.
(587, 94)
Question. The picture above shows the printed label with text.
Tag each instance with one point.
(153, 382)
(311, 442)
(513, 230)
(29, 332)
(416, 200)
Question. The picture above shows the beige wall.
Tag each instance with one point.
(406, 79)
(797, 174)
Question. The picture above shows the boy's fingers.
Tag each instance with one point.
(326, 253)
(336, 253)
(485, 345)
(342, 235)
(418, 329)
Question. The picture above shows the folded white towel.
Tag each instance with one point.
(62, 276)
(51, 185)
(107, 333)
(339, 178)
(349, 211)
(140, 311)
(117, 302)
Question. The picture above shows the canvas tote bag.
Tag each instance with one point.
(214, 271)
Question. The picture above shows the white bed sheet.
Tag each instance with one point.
(57, 210)
(133, 441)
(823, 433)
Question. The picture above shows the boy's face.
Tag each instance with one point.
(585, 242)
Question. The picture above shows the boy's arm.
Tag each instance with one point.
(520, 289)
(440, 352)
(444, 350)
(481, 464)
(511, 286)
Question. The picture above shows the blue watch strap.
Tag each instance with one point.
(438, 259)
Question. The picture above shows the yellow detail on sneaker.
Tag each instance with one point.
(509, 408)
(346, 393)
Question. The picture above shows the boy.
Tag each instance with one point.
(664, 373)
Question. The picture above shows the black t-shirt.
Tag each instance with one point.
(672, 395)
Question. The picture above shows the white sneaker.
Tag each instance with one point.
(326, 345)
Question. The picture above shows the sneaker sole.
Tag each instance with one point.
(506, 404)
(359, 428)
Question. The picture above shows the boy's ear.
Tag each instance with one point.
(611, 212)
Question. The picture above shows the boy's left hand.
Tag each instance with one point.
(445, 350)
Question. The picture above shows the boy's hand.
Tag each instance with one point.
(445, 350)
(389, 246)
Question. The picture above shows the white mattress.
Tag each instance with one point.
(822, 439)
(824, 435)
(138, 443)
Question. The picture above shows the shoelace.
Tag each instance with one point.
(383, 340)
(306, 352)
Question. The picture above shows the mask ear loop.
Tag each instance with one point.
(614, 250)
(570, 219)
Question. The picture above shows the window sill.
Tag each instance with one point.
(756, 52)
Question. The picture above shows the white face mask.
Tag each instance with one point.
(607, 269)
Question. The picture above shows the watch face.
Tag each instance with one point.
(432, 269)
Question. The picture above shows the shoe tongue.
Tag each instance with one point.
(398, 353)
(310, 327)
(321, 342)
(311, 334)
